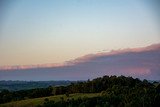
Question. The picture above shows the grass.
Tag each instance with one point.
(39, 101)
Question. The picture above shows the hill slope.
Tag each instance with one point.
(104, 91)
(39, 101)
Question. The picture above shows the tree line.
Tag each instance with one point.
(115, 91)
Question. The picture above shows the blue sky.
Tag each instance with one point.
(54, 31)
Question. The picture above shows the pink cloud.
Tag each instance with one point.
(138, 62)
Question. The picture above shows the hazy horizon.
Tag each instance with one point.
(140, 63)
(75, 39)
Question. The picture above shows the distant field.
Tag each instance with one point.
(38, 101)
(25, 85)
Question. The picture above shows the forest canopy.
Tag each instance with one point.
(114, 91)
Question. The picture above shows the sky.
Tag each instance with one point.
(54, 31)
(142, 63)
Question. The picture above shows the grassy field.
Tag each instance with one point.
(38, 101)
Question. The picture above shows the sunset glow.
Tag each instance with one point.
(79, 39)
(55, 31)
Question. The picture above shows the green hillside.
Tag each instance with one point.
(106, 91)
(39, 101)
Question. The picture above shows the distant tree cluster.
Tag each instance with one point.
(115, 92)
